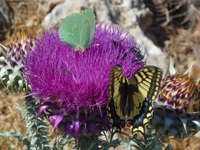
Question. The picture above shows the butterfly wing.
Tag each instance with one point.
(117, 89)
(147, 81)
(143, 89)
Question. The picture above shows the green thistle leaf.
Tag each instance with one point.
(184, 122)
(168, 123)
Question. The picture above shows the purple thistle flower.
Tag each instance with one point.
(73, 85)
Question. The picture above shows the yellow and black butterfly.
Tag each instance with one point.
(130, 103)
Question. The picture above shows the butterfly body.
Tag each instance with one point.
(131, 100)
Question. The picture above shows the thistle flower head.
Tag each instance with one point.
(73, 85)
(12, 64)
(180, 91)
(177, 108)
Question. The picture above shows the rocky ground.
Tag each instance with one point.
(162, 28)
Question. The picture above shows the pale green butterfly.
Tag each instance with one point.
(77, 29)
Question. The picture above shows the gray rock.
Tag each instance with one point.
(47, 5)
(60, 11)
